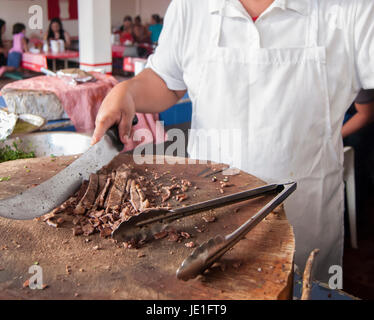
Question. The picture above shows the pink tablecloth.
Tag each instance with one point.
(82, 102)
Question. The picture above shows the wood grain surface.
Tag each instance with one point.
(258, 267)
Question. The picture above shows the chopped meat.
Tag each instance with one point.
(101, 198)
(110, 198)
(181, 197)
(82, 191)
(77, 231)
(125, 213)
(190, 244)
(209, 218)
(117, 191)
(144, 205)
(48, 216)
(185, 235)
(160, 235)
(88, 229)
(89, 197)
(167, 196)
(97, 214)
(106, 232)
(173, 236)
(186, 183)
(134, 196)
(52, 223)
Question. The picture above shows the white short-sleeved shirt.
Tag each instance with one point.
(346, 29)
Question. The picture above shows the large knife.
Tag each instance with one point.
(43, 198)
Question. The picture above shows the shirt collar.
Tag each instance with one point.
(216, 5)
(300, 6)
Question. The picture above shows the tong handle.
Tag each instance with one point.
(221, 202)
(234, 237)
(208, 252)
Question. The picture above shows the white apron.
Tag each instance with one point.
(278, 98)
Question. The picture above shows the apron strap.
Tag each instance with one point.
(217, 29)
(311, 40)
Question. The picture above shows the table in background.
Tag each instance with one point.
(36, 61)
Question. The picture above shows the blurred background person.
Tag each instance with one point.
(56, 32)
(358, 132)
(3, 51)
(155, 28)
(127, 30)
(141, 34)
(18, 48)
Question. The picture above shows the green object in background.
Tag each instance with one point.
(8, 153)
(13, 75)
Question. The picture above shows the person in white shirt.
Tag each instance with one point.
(285, 81)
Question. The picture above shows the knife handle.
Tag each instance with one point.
(113, 134)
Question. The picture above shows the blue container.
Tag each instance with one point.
(177, 114)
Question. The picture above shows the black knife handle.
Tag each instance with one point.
(113, 134)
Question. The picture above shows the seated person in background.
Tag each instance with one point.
(155, 28)
(358, 132)
(140, 32)
(19, 46)
(3, 51)
(127, 31)
(360, 114)
(56, 32)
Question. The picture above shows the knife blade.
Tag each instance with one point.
(43, 198)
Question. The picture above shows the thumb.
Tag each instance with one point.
(124, 127)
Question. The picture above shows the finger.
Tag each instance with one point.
(103, 123)
(124, 128)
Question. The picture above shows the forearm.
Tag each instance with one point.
(148, 92)
(362, 118)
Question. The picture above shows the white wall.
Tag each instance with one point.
(122, 8)
(13, 11)
(145, 8)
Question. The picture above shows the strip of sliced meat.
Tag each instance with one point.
(101, 198)
(117, 192)
(89, 197)
(134, 196)
(82, 190)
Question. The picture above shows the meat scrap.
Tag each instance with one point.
(161, 235)
(190, 244)
(209, 218)
(181, 197)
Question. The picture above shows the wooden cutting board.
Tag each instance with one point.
(258, 267)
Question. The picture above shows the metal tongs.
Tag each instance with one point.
(153, 221)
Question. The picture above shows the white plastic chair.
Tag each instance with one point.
(349, 179)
